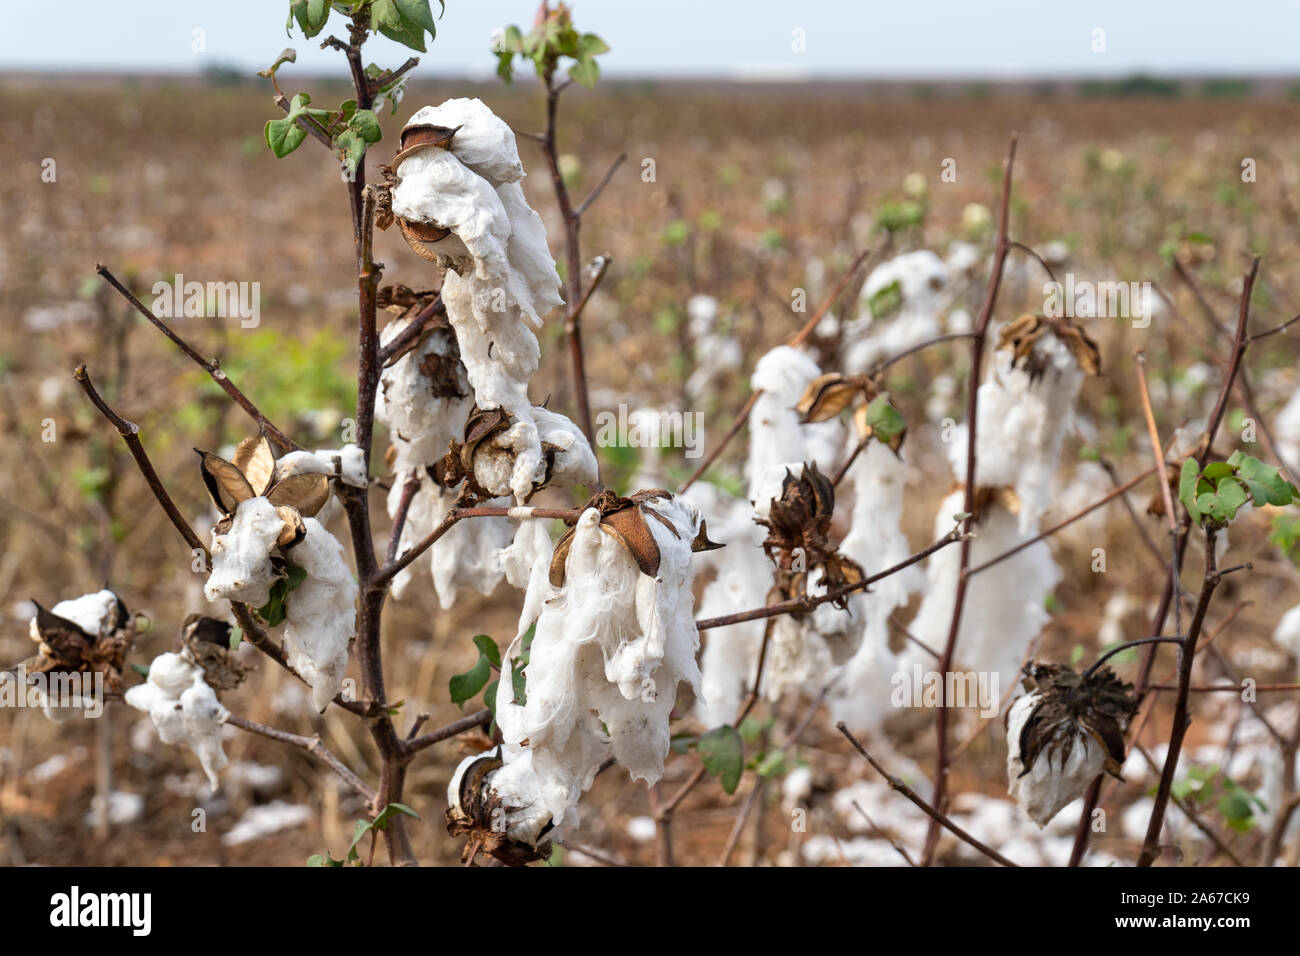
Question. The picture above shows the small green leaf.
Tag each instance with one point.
(366, 125)
(236, 636)
(488, 648)
(585, 71)
(287, 55)
(1187, 480)
(466, 685)
(885, 420)
(723, 752)
(1217, 469)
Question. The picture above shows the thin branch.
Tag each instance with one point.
(972, 420)
(600, 186)
(312, 745)
(939, 819)
(455, 728)
(208, 365)
(809, 601)
(130, 433)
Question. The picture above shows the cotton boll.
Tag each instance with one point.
(1001, 616)
(184, 709)
(241, 557)
(484, 142)
(1022, 427)
(462, 557)
(93, 613)
(610, 648)
(1054, 781)
(526, 564)
(424, 398)
(320, 614)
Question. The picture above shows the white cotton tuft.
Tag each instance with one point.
(241, 558)
(184, 709)
(91, 612)
(1054, 781)
(775, 434)
(526, 564)
(1022, 427)
(861, 696)
(1001, 616)
(320, 614)
(484, 142)
(463, 556)
(423, 414)
(922, 284)
(1287, 634)
(347, 463)
(609, 650)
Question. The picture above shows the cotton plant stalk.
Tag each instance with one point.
(613, 640)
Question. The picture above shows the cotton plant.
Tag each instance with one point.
(457, 195)
(269, 551)
(613, 639)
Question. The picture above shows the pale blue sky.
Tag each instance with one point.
(720, 38)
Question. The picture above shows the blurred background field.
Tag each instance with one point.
(759, 189)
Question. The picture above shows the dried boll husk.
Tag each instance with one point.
(1067, 730)
(487, 815)
(1022, 336)
(207, 641)
(253, 474)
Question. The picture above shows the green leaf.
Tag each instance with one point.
(885, 421)
(236, 635)
(353, 148)
(723, 752)
(140, 669)
(295, 577)
(1218, 469)
(772, 764)
(366, 125)
(585, 71)
(387, 17)
(287, 55)
(591, 45)
(488, 648)
(466, 685)
(1187, 488)
(381, 821)
(310, 14)
(490, 697)
(417, 12)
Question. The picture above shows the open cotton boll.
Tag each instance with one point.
(424, 397)
(550, 449)
(241, 558)
(320, 614)
(775, 434)
(610, 648)
(1022, 427)
(93, 613)
(1287, 427)
(861, 694)
(184, 709)
(1004, 613)
(347, 463)
(1055, 780)
(922, 285)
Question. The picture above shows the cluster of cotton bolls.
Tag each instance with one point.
(499, 283)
